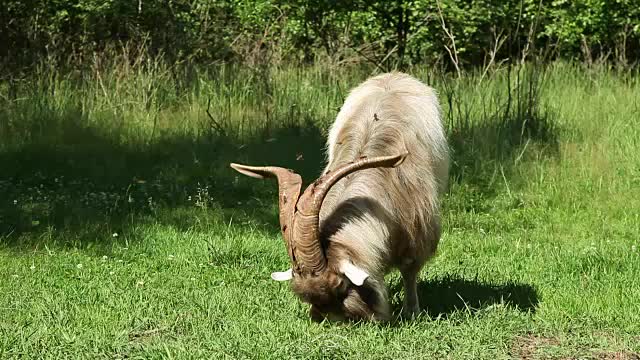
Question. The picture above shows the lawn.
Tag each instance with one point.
(125, 234)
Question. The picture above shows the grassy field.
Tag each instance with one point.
(124, 233)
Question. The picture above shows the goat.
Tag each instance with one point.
(375, 206)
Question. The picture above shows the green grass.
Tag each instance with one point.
(123, 232)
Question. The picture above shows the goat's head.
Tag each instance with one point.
(334, 290)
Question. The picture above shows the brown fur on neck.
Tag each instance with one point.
(323, 289)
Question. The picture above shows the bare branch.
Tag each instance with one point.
(214, 124)
(499, 41)
(453, 55)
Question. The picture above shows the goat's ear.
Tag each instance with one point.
(355, 274)
(282, 275)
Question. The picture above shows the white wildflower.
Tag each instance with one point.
(79, 266)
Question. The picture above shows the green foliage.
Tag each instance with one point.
(388, 33)
(605, 25)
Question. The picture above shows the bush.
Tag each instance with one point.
(388, 33)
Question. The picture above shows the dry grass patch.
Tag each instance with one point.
(530, 347)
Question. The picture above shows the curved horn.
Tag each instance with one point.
(289, 184)
(306, 233)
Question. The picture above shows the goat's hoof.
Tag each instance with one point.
(411, 312)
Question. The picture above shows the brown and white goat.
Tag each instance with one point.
(375, 207)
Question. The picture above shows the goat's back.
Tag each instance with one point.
(387, 115)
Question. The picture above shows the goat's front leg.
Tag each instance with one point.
(411, 306)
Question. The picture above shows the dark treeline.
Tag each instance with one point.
(388, 33)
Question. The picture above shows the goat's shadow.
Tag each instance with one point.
(442, 297)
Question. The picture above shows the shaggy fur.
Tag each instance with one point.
(381, 218)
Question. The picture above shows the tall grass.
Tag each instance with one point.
(134, 126)
(144, 100)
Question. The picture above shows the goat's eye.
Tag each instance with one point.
(342, 286)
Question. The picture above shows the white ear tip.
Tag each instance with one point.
(355, 274)
(282, 275)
